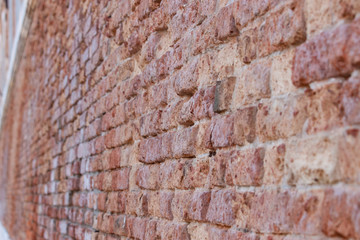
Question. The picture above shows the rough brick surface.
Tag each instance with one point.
(185, 119)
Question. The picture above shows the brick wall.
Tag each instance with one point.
(185, 119)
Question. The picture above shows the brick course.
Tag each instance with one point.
(184, 119)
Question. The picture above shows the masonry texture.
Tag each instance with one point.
(185, 119)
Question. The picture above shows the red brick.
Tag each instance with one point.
(245, 167)
(158, 94)
(237, 128)
(253, 84)
(171, 174)
(112, 160)
(330, 54)
(114, 118)
(222, 207)
(282, 28)
(222, 132)
(349, 99)
(150, 124)
(116, 202)
(226, 23)
(147, 176)
(173, 231)
(184, 142)
(195, 173)
(281, 118)
(138, 228)
(302, 211)
(347, 153)
(199, 106)
(199, 205)
(248, 45)
(160, 204)
(186, 79)
(119, 136)
(340, 213)
(325, 108)
(151, 150)
(274, 164)
(180, 205)
(136, 203)
(245, 13)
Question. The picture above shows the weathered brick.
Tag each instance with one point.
(160, 204)
(111, 181)
(245, 13)
(320, 15)
(150, 150)
(330, 54)
(244, 125)
(222, 209)
(237, 128)
(347, 154)
(222, 132)
(225, 23)
(302, 212)
(114, 118)
(253, 84)
(312, 160)
(195, 173)
(281, 118)
(199, 205)
(199, 106)
(173, 231)
(282, 28)
(138, 228)
(119, 136)
(217, 169)
(186, 79)
(349, 99)
(244, 167)
(184, 142)
(325, 108)
(136, 203)
(340, 212)
(112, 160)
(248, 45)
(274, 164)
(280, 75)
(115, 126)
(180, 205)
(158, 94)
(171, 174)
(116, 202)
(147, 176)
(150, 124)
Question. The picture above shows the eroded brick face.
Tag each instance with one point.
(185, 119)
